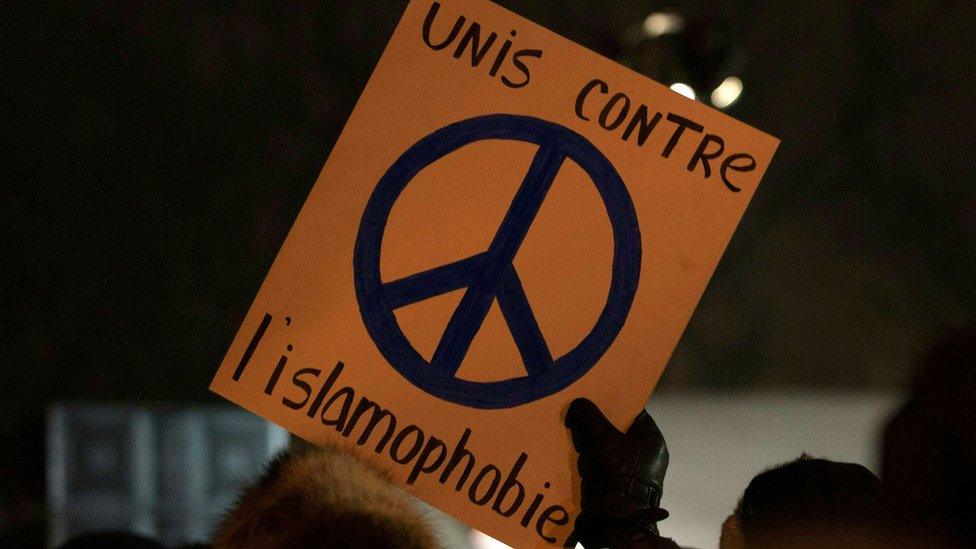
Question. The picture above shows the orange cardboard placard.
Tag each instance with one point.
(507, 222)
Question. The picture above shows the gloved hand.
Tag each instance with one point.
(622, 478)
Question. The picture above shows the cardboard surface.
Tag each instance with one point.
(505, 224)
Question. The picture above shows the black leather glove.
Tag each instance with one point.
(622, 478)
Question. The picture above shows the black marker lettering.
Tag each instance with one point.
(412, 452)
(511, 482)
(314, 408)
(700, 154)
(581, 98)
(425, 466)
(517, 61)
(533, 507)
(682, 123)
(306, 388)
(263, 327)
(375, 417)
(273, 380)
(473, 38)
(473, 491)
(730, 164)
(428, 23)
(608, 108)
(500, 58)
(547, 516)
(646, 126)
(346, 394)
(460, 452)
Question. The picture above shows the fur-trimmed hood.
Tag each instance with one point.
(323, 497)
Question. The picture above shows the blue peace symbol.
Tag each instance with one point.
(491, 274)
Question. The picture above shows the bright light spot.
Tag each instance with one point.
(683, 89)
(481, 540)
(659, 23)
(727, 92)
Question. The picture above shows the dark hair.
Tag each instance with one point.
(808, 493)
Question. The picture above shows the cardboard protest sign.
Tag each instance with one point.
(508, 221)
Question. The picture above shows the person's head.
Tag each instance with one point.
(323, 497)
(805, 503)
(929, 450)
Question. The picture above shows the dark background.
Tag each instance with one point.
(156, 155)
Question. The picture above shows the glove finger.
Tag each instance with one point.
(651, 515)
(645, 430)
(588, 426)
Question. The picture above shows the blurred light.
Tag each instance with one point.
(659, 23)
(683, 89)
(480, 540)
(726, 93)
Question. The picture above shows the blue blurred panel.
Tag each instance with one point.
(165, 471)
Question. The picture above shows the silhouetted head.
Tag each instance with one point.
(929, 453)
(806, 503)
